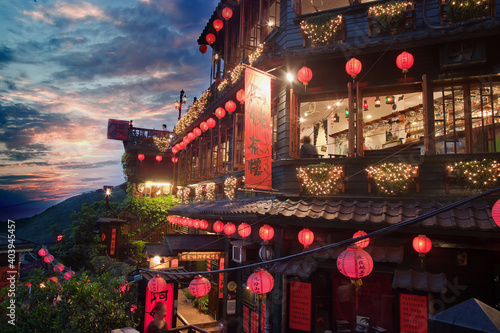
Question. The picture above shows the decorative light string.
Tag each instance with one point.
(320, 179)
(322, 28)
(198, 193)
(210, 191)
(476, 174)
(162, 143)
(392, 178)
(183, 193)
(230, 187)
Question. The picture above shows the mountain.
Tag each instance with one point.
(37, 227)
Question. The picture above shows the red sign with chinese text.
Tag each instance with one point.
(412, 313)
(300, 306)
(113, 242)
(167, 297)
(263, 317)
(221, 279)
(258, 130)
(246, 319)
(118, 129)
(255, 322)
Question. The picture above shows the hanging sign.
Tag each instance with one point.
(118, 129)
(258, 141)
(167, 297)
(246, 319)
(255, 322)
(300, 306)
(199, 256)
(412, 313)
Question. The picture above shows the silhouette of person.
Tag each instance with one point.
(307, 148)
(158, 324)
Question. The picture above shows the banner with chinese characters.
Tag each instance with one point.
(412, 313)
(258, 130)
(300, 306)
(199, 256)
(167, 297)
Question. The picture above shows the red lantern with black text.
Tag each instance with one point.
(305, 75)
(159, 158)
(200, 286)
(191, 136)
(197, 131)
(157, 284)
(306, 237)
(230, 106)
(260, 282)
(355, 262)
(362, 243)
(353, 67)
(210, 38)
(240, 96)
(422, 244)
(220, 112)
(229, 228)
(203, 48)
(218, 227)
(404, 61)
(244, 230)
(141, 157)
(211, 122)
(203, 126)
(227, 13)
(266, 232)
(218, 24)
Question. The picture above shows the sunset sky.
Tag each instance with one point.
(66, 67)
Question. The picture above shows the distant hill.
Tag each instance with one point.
(37, 228)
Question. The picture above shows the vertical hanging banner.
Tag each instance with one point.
(166, 296)
(258, 145)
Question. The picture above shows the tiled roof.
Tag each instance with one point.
(475, 215)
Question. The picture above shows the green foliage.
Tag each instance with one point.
(466, 9)
(153, 210)
(201, 303)
(188, 294)
(129, 165)
(322, 28)
(392, 178)
(390, 15)
(320, 179)
(138, 250)
(476, 175)
(112, 266)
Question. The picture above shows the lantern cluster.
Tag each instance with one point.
(57, 267)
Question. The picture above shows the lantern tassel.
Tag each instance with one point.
(357, 283)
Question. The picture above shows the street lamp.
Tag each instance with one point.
(178, 105)
(107, 191)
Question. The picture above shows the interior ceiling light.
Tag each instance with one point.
(389, 100)
(377, 102)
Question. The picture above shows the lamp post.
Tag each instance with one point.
(178, 105)
(107, 192)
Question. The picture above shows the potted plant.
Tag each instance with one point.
(390, 16)
(466, 9)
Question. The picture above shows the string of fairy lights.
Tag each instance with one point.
(323, 28)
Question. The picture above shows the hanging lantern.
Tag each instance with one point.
(365, 105)
(218, 226)
(141, 157)
(69, 274)
(305, 75)
(495, 213)
(230, 106)
(191, 136)
(42, 252)
(200, 286)
(220, 113)
(229, 228)
(266, 232)
(355, 262)
(404, 61)
(157, 284)
(196, 224)
(159, 158)
(362, 243)
(175, 159)
(210, 38)
(422, 244)
(244, 230)
(59, 268)
(203, 48)
(203, 224)
(182, 145)
(353, 67)
(306, 237)
(178, 146)
(175, 150)
(218, 24)
(266, 253)
(48, 258)
(227, 13)
(203, 126)
(260, 282)
(197, 131)
(211, 122)
(186, 140)
(240, 96)
(190, 222)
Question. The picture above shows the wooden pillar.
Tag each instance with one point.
(360, 140)
(351, 124)
(468, 119)
(428, 106)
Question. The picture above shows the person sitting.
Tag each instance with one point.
(307, 149)
(158, 324)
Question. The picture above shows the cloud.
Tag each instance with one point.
(92, 179)
(88, 165)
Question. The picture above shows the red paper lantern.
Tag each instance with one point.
(69, 274)
(182, 145)
(48, 258)
(157, 284)
(305, 75)
(404, 61)
(59, 268)
(42, 252)
(266, 232)
(422, 244)
(227, 13)
(203, 126)
(203, 224)
(229, 228)
(362, 243)
(230, 106)
(211, 122)
(203, 48)
(178, 147)
(260, 282)
(495, 213)
(186, 140)
(306, 237)
(218, 226)
(218, 24)
(159, 158)
(220, 113)
(355, 263)
(200, 286)
(174, 150)
(197, 131)
(175, 159)
(240, 96)
(244, 230)
(210, 38)
(353, 67)
(141, 157)
(190, 222)
(196, 224)
(191, 136)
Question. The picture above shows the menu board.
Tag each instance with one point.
(300, 306)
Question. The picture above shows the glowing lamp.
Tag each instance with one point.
(240, 96)
(175, 150)
(353, 67)
(230, 106)
(220, 113)
(355, 262)
(191, 136)
(218, 24)
(182, 145)
(68, 275)
(197, 131)
(42, 252)
(175, 159)
(260, 282)
(48, 258)
(159, 158)
(422, 244)
(59, 268)
(203, 126)
(196, 224)
(404, 61)
(203, 48)
(227, 13)
(157, 284)
(200, 286)
(141, 157)
(305, 75)
(211, 122)
(218, 226)
(178, 147)
(266, 232)
(362, 243)
(244, 230)
(495, 213)
(229, 228)
(190, 222)
(203, 224)
(365, 105)
(210, 38)
(306, 237)
(186, 140)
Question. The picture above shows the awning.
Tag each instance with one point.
(173, 244)
(414, 280)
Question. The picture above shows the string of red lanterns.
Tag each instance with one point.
(218, 25)
(203, 48)
(362, 243)
(230, 106)
(159, 158)
(244, 230)
(218, 227)
(266, 232)
(210, 38)
(229, 228)
(240, 96)
(227, 13)
(220, 112)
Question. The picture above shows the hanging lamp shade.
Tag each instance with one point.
(69, 274)
(266, 232)
(197, 131)
(211, 122)
(305, 75)
(175, 159)
(229, 228)
(266, 252)
(422, 244)
(203, 48)
(230, 106)
(227, 13)
(404, 61)
(353, 67)
(203, 224)
(260, 282)
(362, 243)
(306, 237)
(210, 38)
(240, 96)
(204, 126)
(200, 286)
(182, 145)
(175, 150)
(218, 24)
(159, 158)
(220, 112)
(141, 157)
(157, 284)
(218, 226)
(244, 230)
(48, 258)
(42, 252)
(191, 136)
(355, 262)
